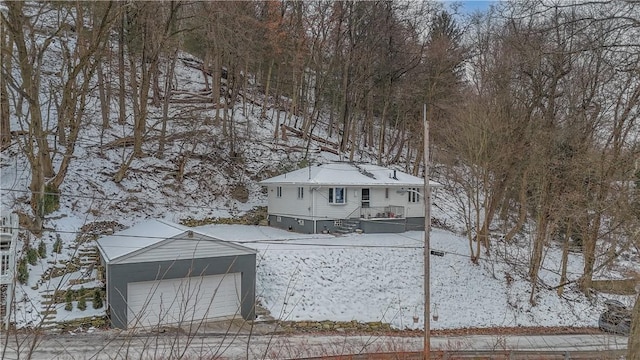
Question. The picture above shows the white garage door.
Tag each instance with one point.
(180, 301)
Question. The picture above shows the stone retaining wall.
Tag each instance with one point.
(339, 326)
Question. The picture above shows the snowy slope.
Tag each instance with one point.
(359, 277)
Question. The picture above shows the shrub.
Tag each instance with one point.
(42, 250)
(32, 256)
(57, 246)
(23, 272)
(97, 299)
(68, 298)
(82, 304)
(51, 201)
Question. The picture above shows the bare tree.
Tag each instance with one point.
(76, 73)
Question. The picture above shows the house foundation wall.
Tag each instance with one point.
(329, 226)
(391, 225)
(303, 226)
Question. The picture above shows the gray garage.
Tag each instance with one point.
(159, 274)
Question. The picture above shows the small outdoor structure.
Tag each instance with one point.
(159, 273)
(344, 197)
(8, 239)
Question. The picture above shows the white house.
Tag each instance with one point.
(344, 197)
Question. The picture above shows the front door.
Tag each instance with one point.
(365, 198)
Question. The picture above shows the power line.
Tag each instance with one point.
(287, 241)
(75, 196)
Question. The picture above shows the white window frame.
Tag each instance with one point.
(300, 192)
(414, 195)
(332, 195)
(278, 191)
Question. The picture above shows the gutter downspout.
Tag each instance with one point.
(313, 211)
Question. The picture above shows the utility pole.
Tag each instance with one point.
(427, 231)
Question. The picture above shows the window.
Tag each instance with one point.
(365, 198)
(4, 264)
(414, 195)
(337, 195)
(279, 191)
(386, 193)
(300, 193)
(278, 218)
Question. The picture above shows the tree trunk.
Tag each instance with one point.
(536, 256)
(168, 85)
(5, 62)
(263, 113)
(589, 253)
(104, 98)
(276, 108)
(155, 83)
(216, 76)
(345, 108)
(522, 212)
(565, 259)
(245, 91)
(633, 343)
(5, 123)
(383, 129)
(122, 116)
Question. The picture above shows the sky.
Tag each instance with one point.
(472, 6)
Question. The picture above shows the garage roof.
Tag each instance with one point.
(167, 241)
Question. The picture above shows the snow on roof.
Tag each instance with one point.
(139, 236)
(149, 233)
(347, 174)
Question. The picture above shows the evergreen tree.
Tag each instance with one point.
(42, 250)
(97, 299)
(68, 298)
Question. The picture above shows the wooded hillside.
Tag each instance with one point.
(533, 106)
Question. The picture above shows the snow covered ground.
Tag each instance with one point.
(364, 277)
(379, 277)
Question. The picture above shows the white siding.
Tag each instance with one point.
(178, 249)
(319, 207)
(289, 204)
(185, 300)
(324, 210)
(410, 209)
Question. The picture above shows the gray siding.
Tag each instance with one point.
(383, 226)
(392, 225)
(415, 224)
(119, 275)
(367, 226)
(293, 224)
(326, 225)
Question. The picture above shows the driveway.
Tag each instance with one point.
(110, 345)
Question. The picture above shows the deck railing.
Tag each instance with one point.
(382, 212)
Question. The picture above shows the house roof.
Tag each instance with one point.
(346, 174)
(149, 234)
